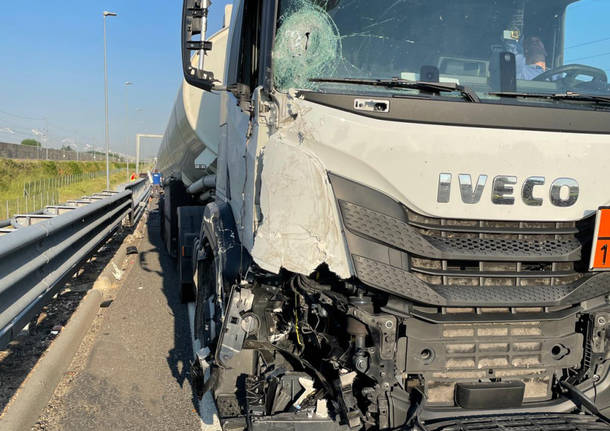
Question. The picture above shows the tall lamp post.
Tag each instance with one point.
(106, 13)
(127, 84)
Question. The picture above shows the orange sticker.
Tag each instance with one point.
(602, 254)
(604, 223)
(601, 241)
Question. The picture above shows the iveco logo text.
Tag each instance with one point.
(563, 192)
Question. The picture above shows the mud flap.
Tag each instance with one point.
(189, 225)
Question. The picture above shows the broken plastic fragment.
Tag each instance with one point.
(308, 389)
(116, 272)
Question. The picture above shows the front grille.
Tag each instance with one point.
(465, 263)
(547, 237)
(522, 422)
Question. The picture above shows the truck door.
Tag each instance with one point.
(249, 58)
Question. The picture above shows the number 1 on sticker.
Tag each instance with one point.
(601, 241)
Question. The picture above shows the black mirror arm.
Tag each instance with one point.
(194, 21)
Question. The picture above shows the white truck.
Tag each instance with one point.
(391, 214)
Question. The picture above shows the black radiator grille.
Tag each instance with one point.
(505, 235)
(465, 263)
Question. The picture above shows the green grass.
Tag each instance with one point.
(50, 182)
(98, 184)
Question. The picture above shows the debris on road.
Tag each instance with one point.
(117, 273)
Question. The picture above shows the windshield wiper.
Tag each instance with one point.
(438, 87)
(569, 95)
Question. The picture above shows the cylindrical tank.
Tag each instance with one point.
(192, 128)
(190, 142)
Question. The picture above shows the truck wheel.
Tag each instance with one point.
(209, 306)
(203, 269)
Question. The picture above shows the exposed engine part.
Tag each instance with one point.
(329, 351)
(234, 329)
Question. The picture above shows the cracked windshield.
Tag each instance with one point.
(548, 50)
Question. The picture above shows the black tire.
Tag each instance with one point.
(206, 276)
(211, 282)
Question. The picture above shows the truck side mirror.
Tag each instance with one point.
(194, 23)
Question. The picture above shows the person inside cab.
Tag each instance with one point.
(532, 62)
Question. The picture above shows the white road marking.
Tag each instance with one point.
(207, 408)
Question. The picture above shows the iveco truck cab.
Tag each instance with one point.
(391, 213)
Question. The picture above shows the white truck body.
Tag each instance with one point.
(452, 218)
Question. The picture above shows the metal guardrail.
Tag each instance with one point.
(140, 191)
(39, 252)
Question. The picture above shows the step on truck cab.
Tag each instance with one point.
(403, 212)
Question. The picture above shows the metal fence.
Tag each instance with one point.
(39, 252)
(37, 194)
(26, 152)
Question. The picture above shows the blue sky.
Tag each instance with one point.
(52, 67)
(588, 34)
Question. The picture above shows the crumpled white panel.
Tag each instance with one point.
(300, 227)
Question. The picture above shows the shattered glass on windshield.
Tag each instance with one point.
(307, 45)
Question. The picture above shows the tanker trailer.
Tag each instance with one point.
(187, 158)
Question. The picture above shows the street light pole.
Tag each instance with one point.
(46, 134)
(106, 13)
(127, 84)
(138, 136)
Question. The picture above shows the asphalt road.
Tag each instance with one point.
(135, 374)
